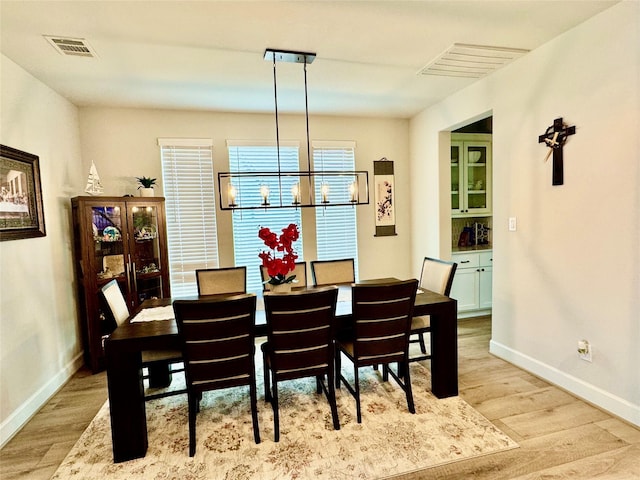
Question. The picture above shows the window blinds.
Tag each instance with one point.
(336, 227)
(252, 157)
(188, 183)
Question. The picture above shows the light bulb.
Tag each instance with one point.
(325, 192)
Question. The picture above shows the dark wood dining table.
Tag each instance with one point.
(124, 362)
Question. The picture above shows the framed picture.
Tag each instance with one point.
(21, 213)
(384, 197)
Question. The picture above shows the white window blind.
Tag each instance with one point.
(336, 227)
(187, 171)
(251, 157)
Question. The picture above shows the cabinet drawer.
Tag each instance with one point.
(466, 260)
(486, 259)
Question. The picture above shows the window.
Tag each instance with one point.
(187, 171)
(251, 157)
(336, 227)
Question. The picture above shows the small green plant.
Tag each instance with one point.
(146, 182)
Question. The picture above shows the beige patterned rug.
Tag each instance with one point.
(389, 441)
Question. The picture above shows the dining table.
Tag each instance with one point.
(124, 359)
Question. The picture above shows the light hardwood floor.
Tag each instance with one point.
(560, 436)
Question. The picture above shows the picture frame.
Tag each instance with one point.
(21, 210)
(384, 193)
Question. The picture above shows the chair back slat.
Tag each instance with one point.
(382, 320)
(218, 340)
(437, 275)
(213, 281)
(333, 272)
(300, 328)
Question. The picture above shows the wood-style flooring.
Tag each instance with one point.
(560, 436)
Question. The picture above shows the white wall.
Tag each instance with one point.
(123, 145)
(572, 269)
(40, 344)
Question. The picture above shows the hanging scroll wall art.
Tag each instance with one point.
(384, 196)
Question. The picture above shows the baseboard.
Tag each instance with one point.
(600, 398)
(474, 313)
(20, 416)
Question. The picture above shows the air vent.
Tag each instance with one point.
(77, 47)
(471, 61)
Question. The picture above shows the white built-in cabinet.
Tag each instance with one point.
(472, 282)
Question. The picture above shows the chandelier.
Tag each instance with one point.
(299, 188)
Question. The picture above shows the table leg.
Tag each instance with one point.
(126, 403)
(444, 353)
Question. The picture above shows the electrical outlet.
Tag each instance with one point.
(513, 224)
(584, 350)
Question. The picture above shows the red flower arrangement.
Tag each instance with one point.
(278, 268)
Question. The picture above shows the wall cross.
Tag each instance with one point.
(555, 138)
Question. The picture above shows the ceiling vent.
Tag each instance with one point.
(471, 61)
(77, 47)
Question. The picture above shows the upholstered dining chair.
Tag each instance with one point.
(300, 271)
(333, 272)
(212, 281)
(381, 322)
(300, 328)
(437, 276)
(153, 360)
(217, 335)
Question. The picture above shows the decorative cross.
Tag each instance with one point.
(555, 138)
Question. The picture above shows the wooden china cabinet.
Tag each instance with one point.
(122, 238)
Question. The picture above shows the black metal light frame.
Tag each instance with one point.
(305, 196)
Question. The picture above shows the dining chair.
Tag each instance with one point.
(437, 276)
(157, 362)
(332, 272)
(300, 271)
(300, 332)
(217, 336)
(212, 281)
(381, 322)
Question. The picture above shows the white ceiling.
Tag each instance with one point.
(208, 55)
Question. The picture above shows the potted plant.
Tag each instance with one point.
(145, 185)
(279, 267)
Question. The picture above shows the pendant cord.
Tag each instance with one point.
(275, 96)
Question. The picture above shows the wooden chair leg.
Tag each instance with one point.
(276, 413)
(319, 380)
(357, 393)
(333, 403)
(267, 385)
(423, 347)
(407, 389)
(338, 368)
(254, 410)
(193, 403)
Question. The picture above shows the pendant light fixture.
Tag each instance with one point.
(300, 188)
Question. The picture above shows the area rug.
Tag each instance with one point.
(389, 441)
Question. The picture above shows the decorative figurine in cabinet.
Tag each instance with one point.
(122, 238)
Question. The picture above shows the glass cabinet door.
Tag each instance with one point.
(456, 176)
(476, 177)
(145, 258)
(108, 237)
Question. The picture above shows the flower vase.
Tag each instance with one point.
(147, 192)
(280, 288)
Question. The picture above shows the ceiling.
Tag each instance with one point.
(208, 55)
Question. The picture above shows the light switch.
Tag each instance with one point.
(513, 224)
